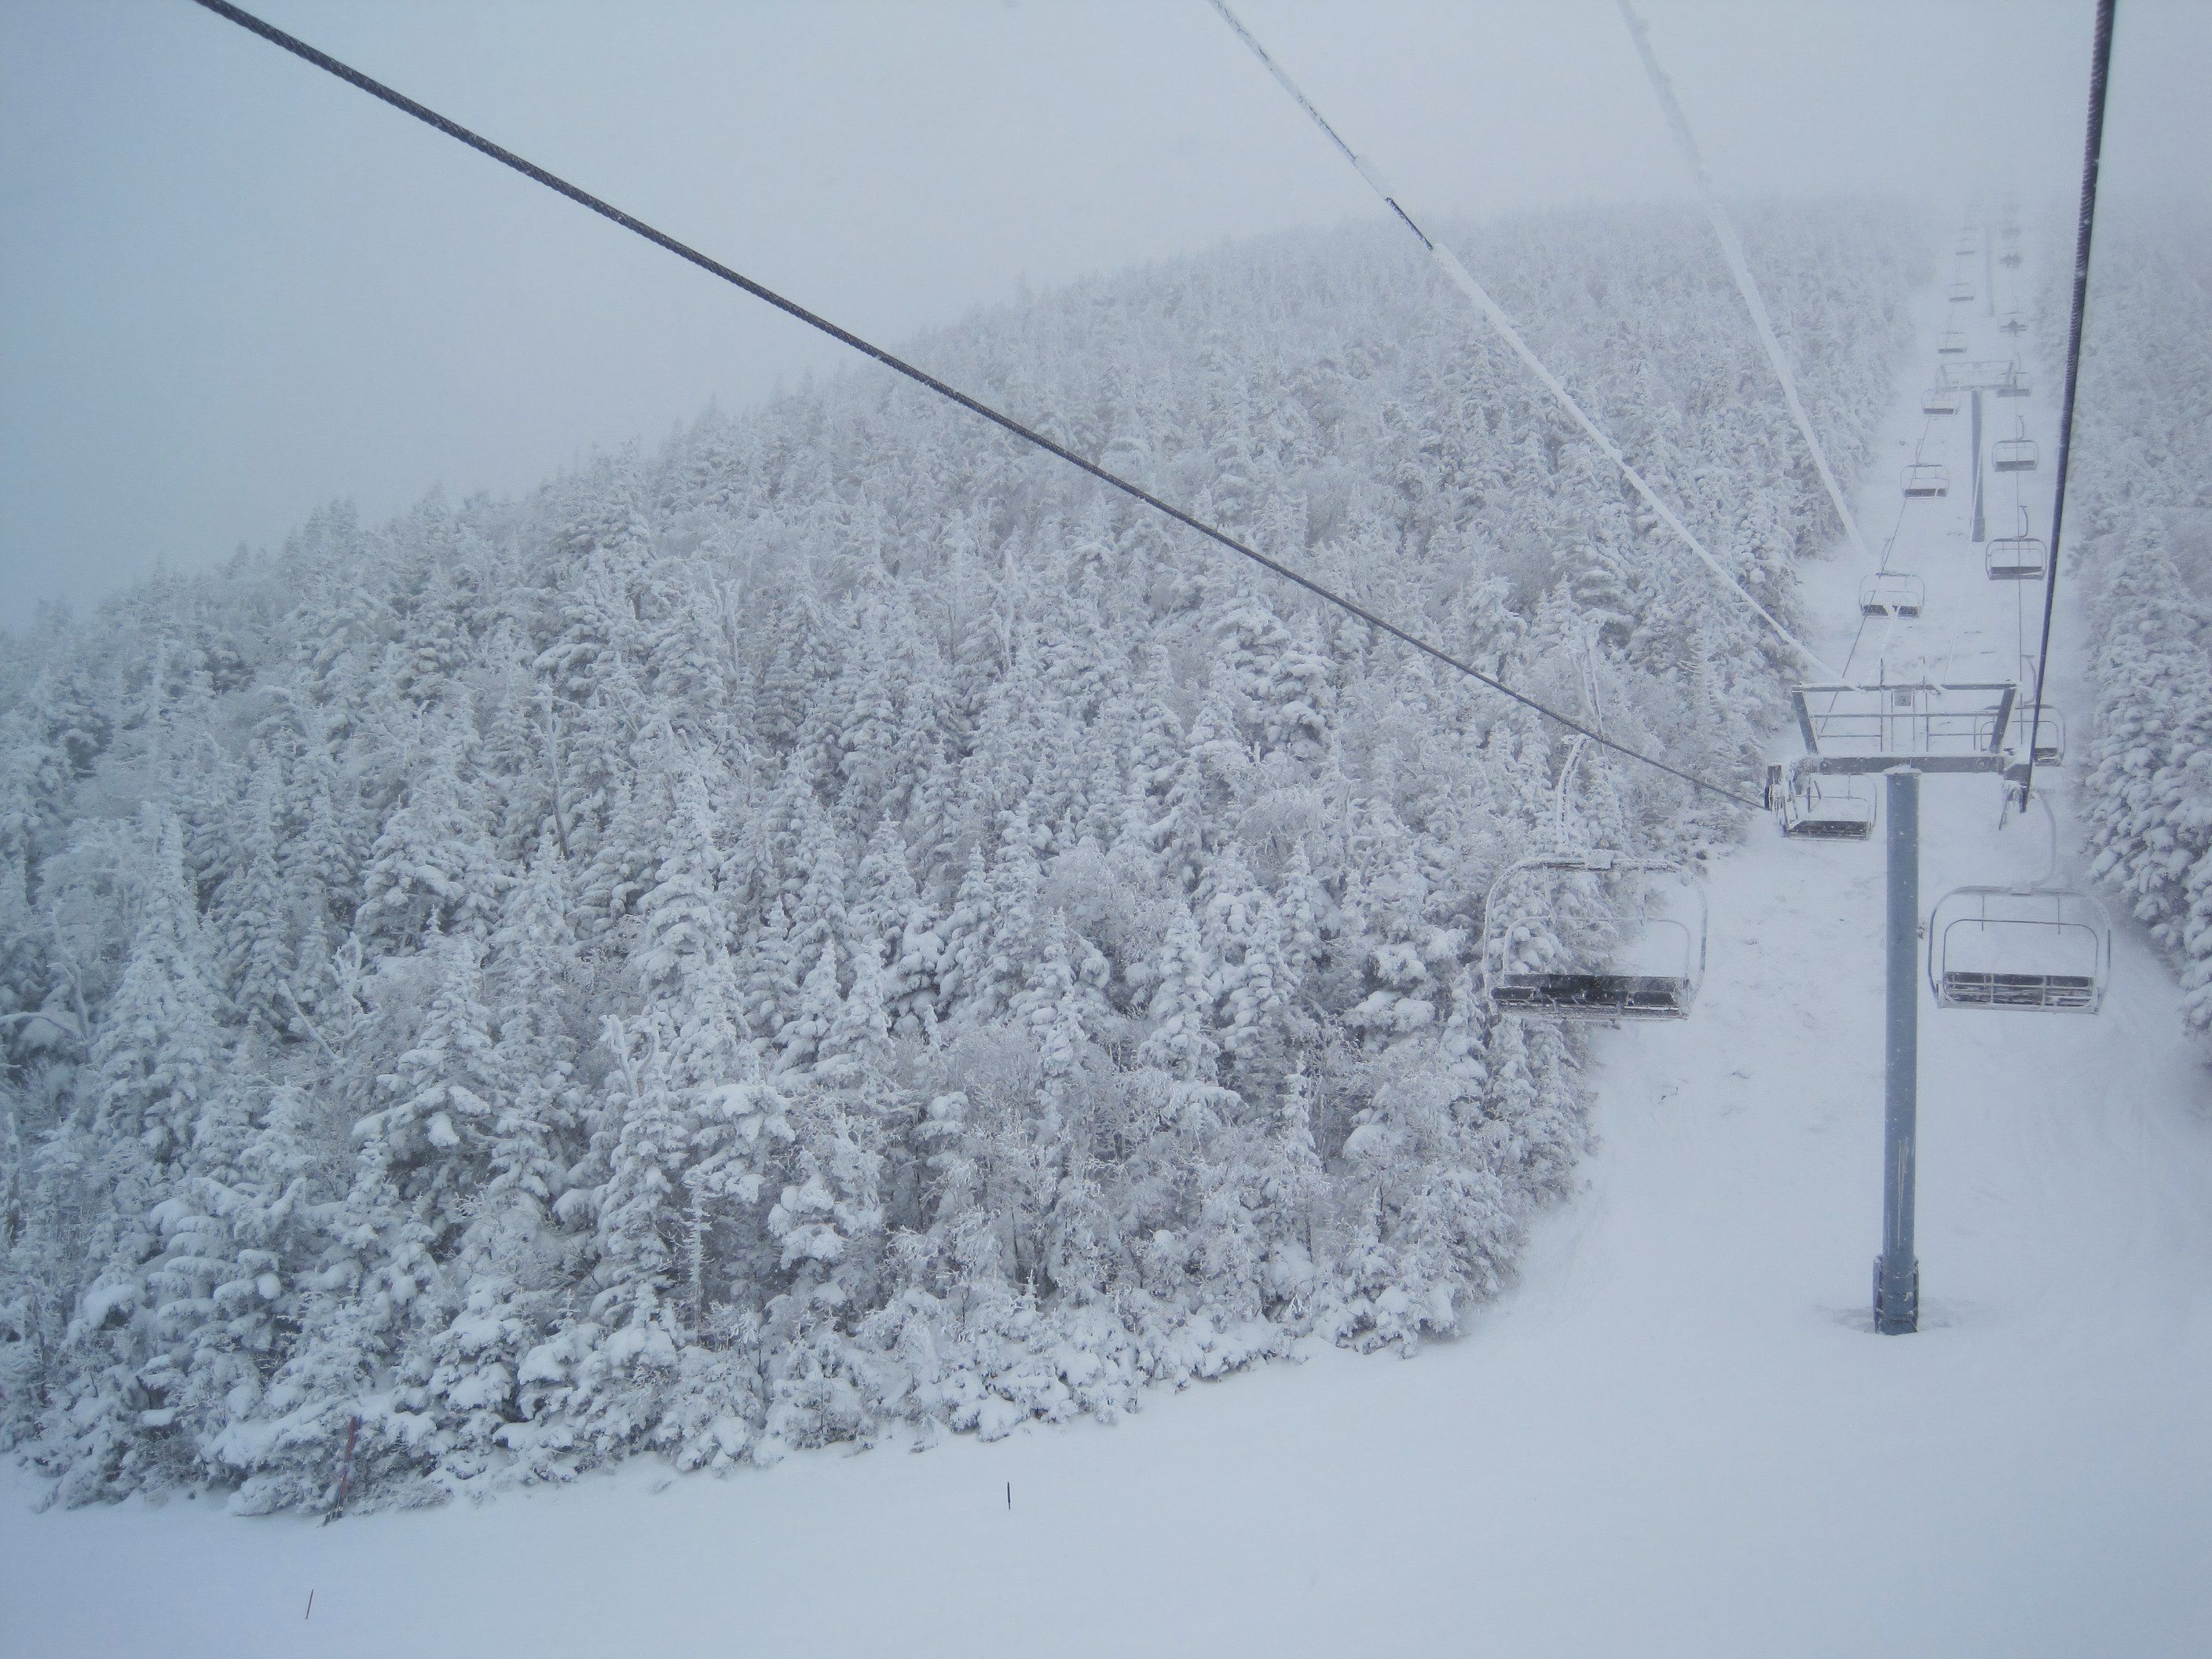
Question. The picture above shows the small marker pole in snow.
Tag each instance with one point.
(1896, 1273)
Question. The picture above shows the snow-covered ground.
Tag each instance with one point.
(1676, 1435)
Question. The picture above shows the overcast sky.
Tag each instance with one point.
(232, 288)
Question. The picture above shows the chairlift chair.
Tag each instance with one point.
(2019, 557)
(1926, 478)
(2014, 383)
(1891, 594)
(1939, 400)
(1976, 374)
(1951, 343)
(1816, 808)
(1539, 964)
(2014, 322)
(1961, 292)
(2050, 732)
(2036, 947)
(2015, 454)
(2011, 258)
(2048, 726)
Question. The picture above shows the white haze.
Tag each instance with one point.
(233, 290)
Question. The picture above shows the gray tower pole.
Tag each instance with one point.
(1978, 531)
(1896, 1273)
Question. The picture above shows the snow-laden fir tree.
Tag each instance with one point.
(838, 927)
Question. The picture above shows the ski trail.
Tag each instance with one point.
(1675, 1436)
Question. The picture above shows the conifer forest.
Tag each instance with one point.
(2145, 439)
(835, 928)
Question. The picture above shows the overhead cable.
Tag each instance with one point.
(1495, 315)
(508, 158)
(1738, 268)
(2100, 63)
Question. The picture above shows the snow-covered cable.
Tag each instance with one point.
(715, 267)
(1738, 268)
(2100, 63)
(1462, 280)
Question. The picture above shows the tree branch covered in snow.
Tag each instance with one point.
(841, 926)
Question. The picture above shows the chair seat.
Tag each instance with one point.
(1594, 996)
(1830, 829)
(1995, 990)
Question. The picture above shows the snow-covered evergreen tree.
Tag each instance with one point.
(833, 924)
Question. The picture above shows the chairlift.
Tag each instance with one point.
(1817, 808)
(2011, 258)
(1891, 594)
(1926, 478)
(2048, 726)
(2015, 454)
(1976, 375)
(2019, 557)
(2046, 723)
(2039, 948)
(2014, 322)
(1552, 948)
(1951, 343)
(1961, 292)
(2014, 383)
(1939, 400)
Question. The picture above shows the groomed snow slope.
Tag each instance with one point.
(1676, 1435)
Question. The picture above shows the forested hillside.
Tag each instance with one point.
(839, 927)
(2140, 508)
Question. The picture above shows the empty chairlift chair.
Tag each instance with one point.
(1891, 594)
(1975, 375)
(1925, 479)
(2017, 454)
(1939, 400)
(2036, 949)
(1816, 808)
(1594, 936)
(2019, 557)
(1951, 343)
(2045, 726)
(2048, 733)
(1961, 292)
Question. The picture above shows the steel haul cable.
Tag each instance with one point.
(2100, 63)
(1493, 312)
(453, 129)
(1739, 268)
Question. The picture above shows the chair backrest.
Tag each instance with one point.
(2037, 949)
